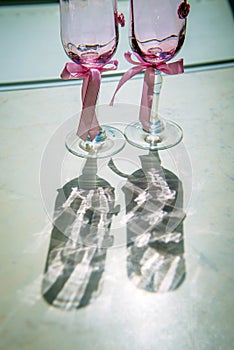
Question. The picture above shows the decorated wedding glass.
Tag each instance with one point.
(89, 32)
(157, 33)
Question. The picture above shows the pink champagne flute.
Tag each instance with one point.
(89, 33)
(157, 33)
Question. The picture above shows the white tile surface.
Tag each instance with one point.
(199, 315)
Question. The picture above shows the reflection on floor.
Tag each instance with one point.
(81, 233)
(154, 210)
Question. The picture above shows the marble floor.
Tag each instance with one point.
(198, 315)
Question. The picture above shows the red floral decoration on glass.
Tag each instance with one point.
(183, 10)
(120, 19)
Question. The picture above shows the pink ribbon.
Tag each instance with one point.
(88, 125)
(148, 85)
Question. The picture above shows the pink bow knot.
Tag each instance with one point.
(88, 125)
(149, 78)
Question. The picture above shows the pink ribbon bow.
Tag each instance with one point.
(148, 85)
(88, 125)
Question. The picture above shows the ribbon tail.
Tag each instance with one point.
(84, 88)
(172, 68)
(127, 75)
(88, 125)
(147, 98)
(113, 167)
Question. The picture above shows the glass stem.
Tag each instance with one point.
(156, 125)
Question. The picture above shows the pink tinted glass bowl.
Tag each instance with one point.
(89, 30)
(157, 33)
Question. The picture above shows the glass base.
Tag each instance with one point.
(107, 143)
(169, 135)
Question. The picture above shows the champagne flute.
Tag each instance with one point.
(89, 33)
(157, 33)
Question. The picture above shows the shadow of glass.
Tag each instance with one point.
(80, 236)
(154, 219)
(79, 240)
